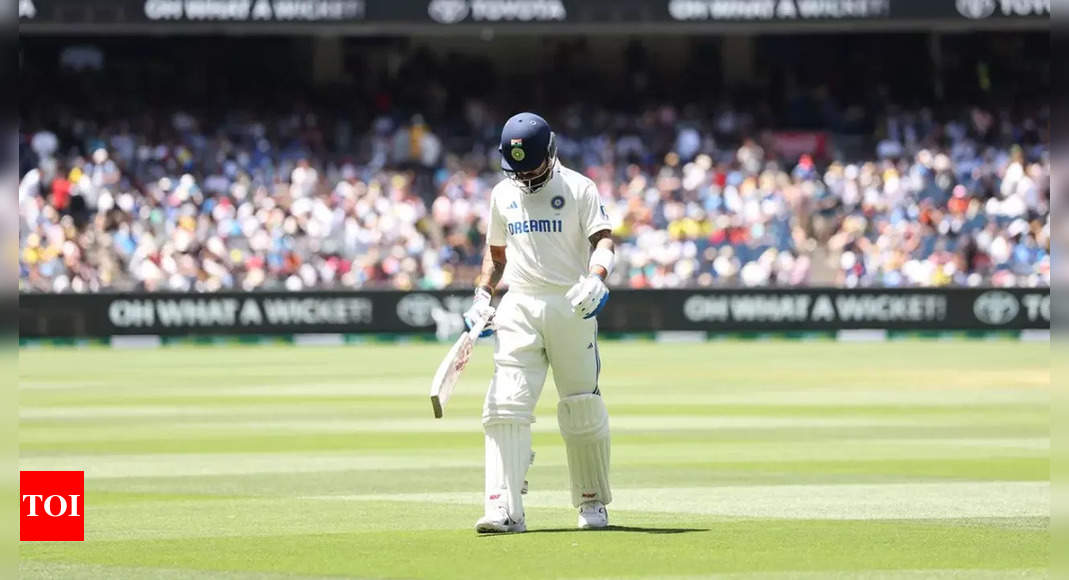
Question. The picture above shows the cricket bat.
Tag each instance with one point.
(445, 379)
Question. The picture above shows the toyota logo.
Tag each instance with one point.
(417, 309)
(448, 11)
(996, 307)
(975, 9)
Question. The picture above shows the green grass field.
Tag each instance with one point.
(917, 459)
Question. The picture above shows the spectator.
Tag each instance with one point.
(248, 204)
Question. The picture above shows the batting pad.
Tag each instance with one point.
(584, 423)
(508, 455)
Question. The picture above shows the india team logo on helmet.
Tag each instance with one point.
(517, 150)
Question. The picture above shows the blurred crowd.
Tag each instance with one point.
(698, 199)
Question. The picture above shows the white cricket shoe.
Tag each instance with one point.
(593, 516)
(500, 523)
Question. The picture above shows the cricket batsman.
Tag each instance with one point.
(549, 238)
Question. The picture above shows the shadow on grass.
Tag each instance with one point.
(631, 529)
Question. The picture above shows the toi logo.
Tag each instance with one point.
(52, 506)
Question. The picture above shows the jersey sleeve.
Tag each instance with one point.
(591, 212)
(495, 229)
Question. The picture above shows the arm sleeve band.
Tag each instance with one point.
(604, 258)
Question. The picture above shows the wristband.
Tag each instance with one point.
(604, 258)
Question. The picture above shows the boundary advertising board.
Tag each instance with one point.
(728, 310)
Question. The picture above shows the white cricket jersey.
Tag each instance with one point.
(546, 233)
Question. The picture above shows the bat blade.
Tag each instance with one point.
(451, 367)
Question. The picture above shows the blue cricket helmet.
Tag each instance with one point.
(528, 151)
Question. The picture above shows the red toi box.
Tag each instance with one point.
(52, 506)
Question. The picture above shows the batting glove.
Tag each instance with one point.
(588, 296)
(480, 310)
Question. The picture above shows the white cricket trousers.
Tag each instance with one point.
(536, 331)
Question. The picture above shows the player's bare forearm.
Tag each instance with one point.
(493, 269)
(601, 240)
